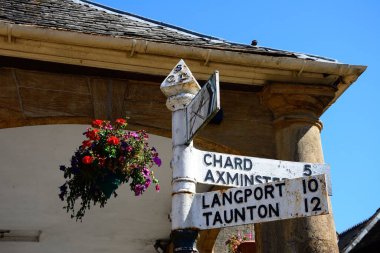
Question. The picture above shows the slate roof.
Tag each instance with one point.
(368, 229)
(87, 17)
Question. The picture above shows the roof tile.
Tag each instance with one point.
(86, 17)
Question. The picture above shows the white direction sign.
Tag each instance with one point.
(232, 170)
(203, 107)
(281, 200)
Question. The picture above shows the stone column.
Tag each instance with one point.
(296, 109)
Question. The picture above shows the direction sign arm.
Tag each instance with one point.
(287, 199)
(234, 171)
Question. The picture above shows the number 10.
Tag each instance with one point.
(312, 186)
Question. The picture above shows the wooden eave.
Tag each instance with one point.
(156, 58)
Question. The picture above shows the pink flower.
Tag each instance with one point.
(157, 187)
(134, 135)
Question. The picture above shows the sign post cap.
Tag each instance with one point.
(180, 81)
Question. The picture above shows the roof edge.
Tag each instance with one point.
(207, 55)
(371, 222)
(200, 35)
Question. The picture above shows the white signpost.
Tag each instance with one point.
(262, 194)
(235, 171)
(285, 199)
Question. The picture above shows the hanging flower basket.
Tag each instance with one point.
(109, 157)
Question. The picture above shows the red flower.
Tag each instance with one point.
(87, 159)
(113, 140)
(86, 143)
(93, 134)
(121, 121)
(97, 123)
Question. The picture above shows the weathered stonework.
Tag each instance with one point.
(298, 139)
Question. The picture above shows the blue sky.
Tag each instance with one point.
(346, 30)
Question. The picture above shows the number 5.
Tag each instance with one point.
(307, 170)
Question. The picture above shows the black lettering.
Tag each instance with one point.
(220, 175)
(228, 163)
(231, 180)
(262, 211)
(205, 161)
(236, 198)
(275, 179)
(240, 214)
(207, 215)
(307, 170)
(217, 218)
(215, 200)
(312, 185)
(250, 208)
(258, 179)
(238, 161)
(227, 197)
(241, 179)
(218, 161)
(228, 220)
(304, 186)
(247, 164)
(316, 206)
(204, 206)
(280, 185)
(247, 194)
(272, 210)
(249, 180)
(266, 179)
(269, 190)
(258, 193)
(209, 176)
(306, 205)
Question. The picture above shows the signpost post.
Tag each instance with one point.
(180, 87)
(262, 194)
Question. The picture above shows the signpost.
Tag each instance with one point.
(285, 199)
(235, 171)
(262, 194)
(203, 107)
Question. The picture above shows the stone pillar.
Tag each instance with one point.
(296, 109)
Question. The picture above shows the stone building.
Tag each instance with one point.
(68, 61)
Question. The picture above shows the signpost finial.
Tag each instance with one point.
(180, 87)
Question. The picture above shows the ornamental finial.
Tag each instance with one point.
(180, 87)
